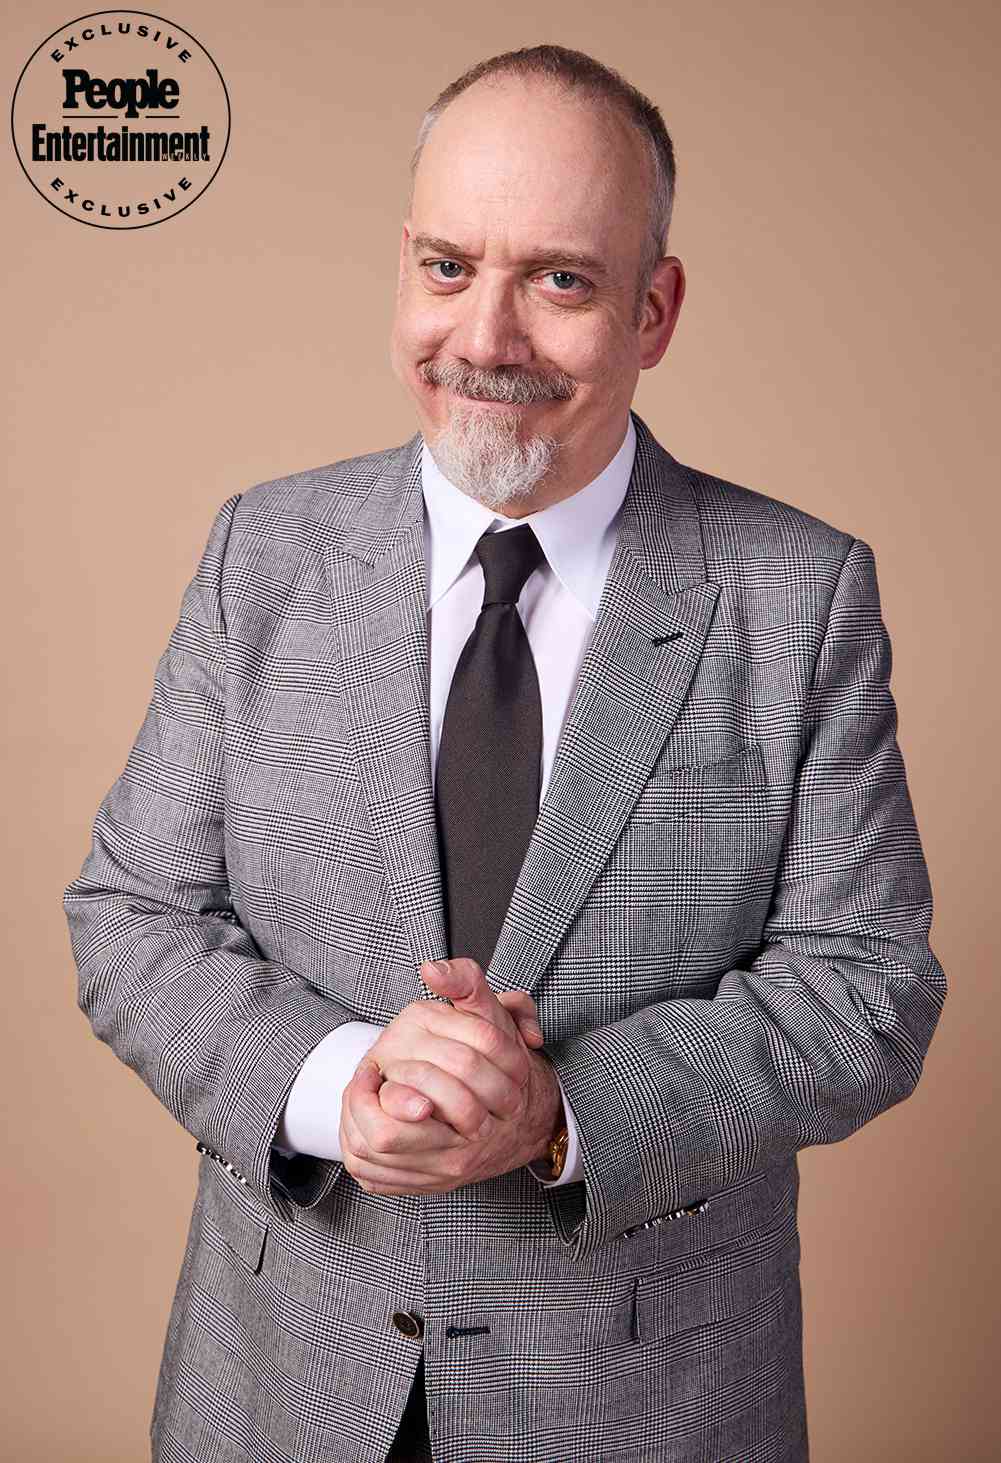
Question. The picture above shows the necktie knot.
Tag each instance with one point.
(508, 558)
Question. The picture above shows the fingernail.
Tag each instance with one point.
(416, 1106)
(441, 966)
(533, 1028)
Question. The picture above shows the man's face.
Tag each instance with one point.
(515, 328)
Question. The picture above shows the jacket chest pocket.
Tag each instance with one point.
(696, 861)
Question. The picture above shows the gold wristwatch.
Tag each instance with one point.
(556, 1152)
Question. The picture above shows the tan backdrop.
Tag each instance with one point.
(837, 214)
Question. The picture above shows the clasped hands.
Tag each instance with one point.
(450, 1095)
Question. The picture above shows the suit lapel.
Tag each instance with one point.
(379, 596)
(628, 694)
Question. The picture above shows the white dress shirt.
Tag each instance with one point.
(558, 606)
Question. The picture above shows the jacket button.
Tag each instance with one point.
(409, 1323)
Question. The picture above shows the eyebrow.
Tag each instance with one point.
(543, 255)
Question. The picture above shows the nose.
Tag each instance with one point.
(489, 332)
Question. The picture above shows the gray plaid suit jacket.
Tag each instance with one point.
(723, 916)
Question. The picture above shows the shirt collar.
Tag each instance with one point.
(577, 535)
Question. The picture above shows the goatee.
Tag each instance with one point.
(482, 453)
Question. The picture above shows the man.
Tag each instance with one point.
(612, 737)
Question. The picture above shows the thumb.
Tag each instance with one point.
(463, 982)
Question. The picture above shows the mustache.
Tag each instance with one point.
(510, 386)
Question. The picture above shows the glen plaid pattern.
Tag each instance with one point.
(723, 915)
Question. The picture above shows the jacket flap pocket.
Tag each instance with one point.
(729, 1282)
(243, 1230)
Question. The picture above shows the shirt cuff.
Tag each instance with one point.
(312, 1118)
(573, 1168)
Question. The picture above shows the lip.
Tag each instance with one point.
(501, 405)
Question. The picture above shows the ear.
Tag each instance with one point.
(404, 243)
(661, 309)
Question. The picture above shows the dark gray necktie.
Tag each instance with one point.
(489, 768)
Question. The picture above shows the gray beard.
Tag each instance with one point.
(481, 453)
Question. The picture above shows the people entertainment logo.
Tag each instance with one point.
(120, 119)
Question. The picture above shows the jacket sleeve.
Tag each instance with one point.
(168, 977)
(829, 1024)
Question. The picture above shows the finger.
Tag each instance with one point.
(519, 1003)
(383, 1180)
(521, 1006)
(476, 1078)
(463, 982)
(415, 1170)
(422, 1158)
(462, 1104)
(464, 1087)
(408, 1151)
(453, 1101)
(403, 1102)
(530, 1033)
(367, 1129)
(353, 1142)
(409, 1034)
(367, 1076)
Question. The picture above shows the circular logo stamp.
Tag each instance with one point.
(120, 119)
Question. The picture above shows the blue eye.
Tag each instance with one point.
(567, 281)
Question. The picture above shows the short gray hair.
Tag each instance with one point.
(574, 70)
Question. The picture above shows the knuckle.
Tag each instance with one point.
(471, 1115)
(413, 1075)
(467, 1059)
(454, 1163)
(382, 1137)
(492, 1040)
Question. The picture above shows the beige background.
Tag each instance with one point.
(837, 214)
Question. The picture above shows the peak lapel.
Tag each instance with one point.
(628, 695)
(378, 578)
